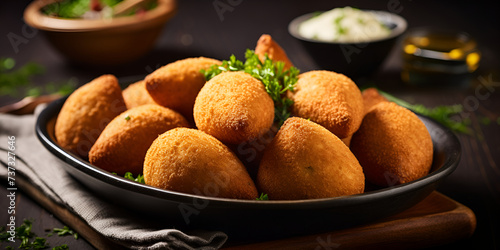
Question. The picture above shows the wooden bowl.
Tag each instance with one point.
(102, 42)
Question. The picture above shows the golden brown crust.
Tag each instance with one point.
(234, 107)
(86, 113)
(177, 84)
(329, 99)
(136, 95)
(347, 140)
(266, 45)
(306, 161)
(371, 97)
(190, 161)
(123, 144)
(392, 145)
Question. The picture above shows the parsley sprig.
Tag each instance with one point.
(262, 197)
(130, 176)
(25, 234)
(277, 81)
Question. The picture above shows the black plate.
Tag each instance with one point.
(248, 218)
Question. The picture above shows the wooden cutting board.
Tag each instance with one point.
(436, 220)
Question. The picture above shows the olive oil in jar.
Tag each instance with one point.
(439, 58)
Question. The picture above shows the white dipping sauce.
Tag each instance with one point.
(344, 25)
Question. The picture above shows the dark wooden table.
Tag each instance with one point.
(198, 30)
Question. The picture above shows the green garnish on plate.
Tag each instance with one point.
(263, 197)
(139, 178)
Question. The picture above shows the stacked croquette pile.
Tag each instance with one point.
(186, 133)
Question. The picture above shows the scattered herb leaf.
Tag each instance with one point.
(341, 30)
(263, 197)
(61, 247)
(442, 114)
(127, 118)
(7, 64)
(24, 234)
(316, 14)
(19, 83)
(139, 179)
(38, 243)
(276, 80)
(65, 231)
(485, 120)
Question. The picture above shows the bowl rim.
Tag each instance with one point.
(399, 21)
(35, 18)
(50, 112)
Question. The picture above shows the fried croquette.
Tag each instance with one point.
(86, 113)
(266, 45)
(347, 140)
(392, 145)
(191, 161)
(136, 95)
(329, 99)
(234, 107)
(123, 144)
(177, 84)
(306, 161)
(371, 97)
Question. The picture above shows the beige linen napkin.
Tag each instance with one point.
(47, 173)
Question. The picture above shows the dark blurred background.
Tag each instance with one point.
(198, 30)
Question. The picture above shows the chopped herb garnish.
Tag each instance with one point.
(442, 114)
(263, 197)
(24, 234)
(341, 30)
(484, 120)
(316, 13)
(19, 83)
(65, 231)
(338, 20)
(140, 179)
(61, 247)
(38, 243)
(276, 80)
(130, 176)
(127, 118)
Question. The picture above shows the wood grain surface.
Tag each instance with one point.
(437, 219)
